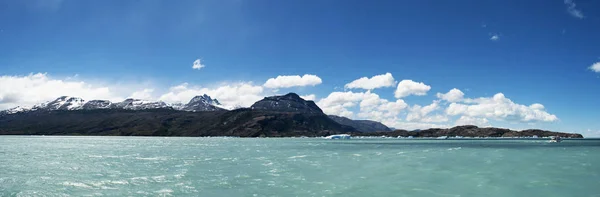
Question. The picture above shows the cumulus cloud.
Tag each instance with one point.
(381, 110)
(572, 10)
(467, 120)
(293, 81)
(377, 81)
(234, 95)
(419, 113)
(501, 108)
(198, 64)
(337, 103)
(370, 105)
(595, 67)
(454, 95)
(36, 88)
(145, 94)
(495, 37)
(437, 118)
(409, 87)
(309, 97)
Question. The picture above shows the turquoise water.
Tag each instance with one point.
(157, 166)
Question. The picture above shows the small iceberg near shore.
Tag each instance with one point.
(339, 136)
(555, 139)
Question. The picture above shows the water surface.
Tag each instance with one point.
(170, 166)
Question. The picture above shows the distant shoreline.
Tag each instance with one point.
(320, 137)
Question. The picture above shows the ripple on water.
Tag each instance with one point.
(297, 156)
(159, 179)
(77, 184)
(164, 192)
(152, 158)
(457, 148)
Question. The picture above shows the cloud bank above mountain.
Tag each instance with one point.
(445, 110)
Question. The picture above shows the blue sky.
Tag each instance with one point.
(536, 51)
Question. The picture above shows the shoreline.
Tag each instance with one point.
(319, 137)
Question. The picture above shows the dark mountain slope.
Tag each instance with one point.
(361, 125)
(167, 122)
(287, 103)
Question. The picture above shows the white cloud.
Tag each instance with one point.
(467, 120)
(414, 125)
(198, 65)
(371, 106)
(292, 81)
(377, 81)
(590, 133)
(381, 110)
(501, 108)
(234, 95)
(145, 94)
(572, 10)
(337, 103)
(438, 118)
(409, 87)
(420, 113)
(495, 37)
(309, 97)
(454, 95)
(37, 88)
(595, 67)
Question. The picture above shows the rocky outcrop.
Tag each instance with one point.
(287, 103)
(474, 131)
(361, 125)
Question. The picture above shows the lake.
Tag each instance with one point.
(173, 166)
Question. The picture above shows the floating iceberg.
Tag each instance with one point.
(339, 136)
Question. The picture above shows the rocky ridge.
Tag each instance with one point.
(361, 125)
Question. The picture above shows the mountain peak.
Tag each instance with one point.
(205, 99)
(202, 103)
(290, 102)
(292, 95)
(62, 103)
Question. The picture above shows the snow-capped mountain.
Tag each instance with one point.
(97, 104)
(137, 104)
(198, 103)
(203, 103)
(14, 110)
(61, 103)
(176, 106)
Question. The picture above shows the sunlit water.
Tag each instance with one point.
(157, 166)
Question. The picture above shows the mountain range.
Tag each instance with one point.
(198, 103)
(275, 116)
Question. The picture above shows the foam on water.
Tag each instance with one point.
(146, 166)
